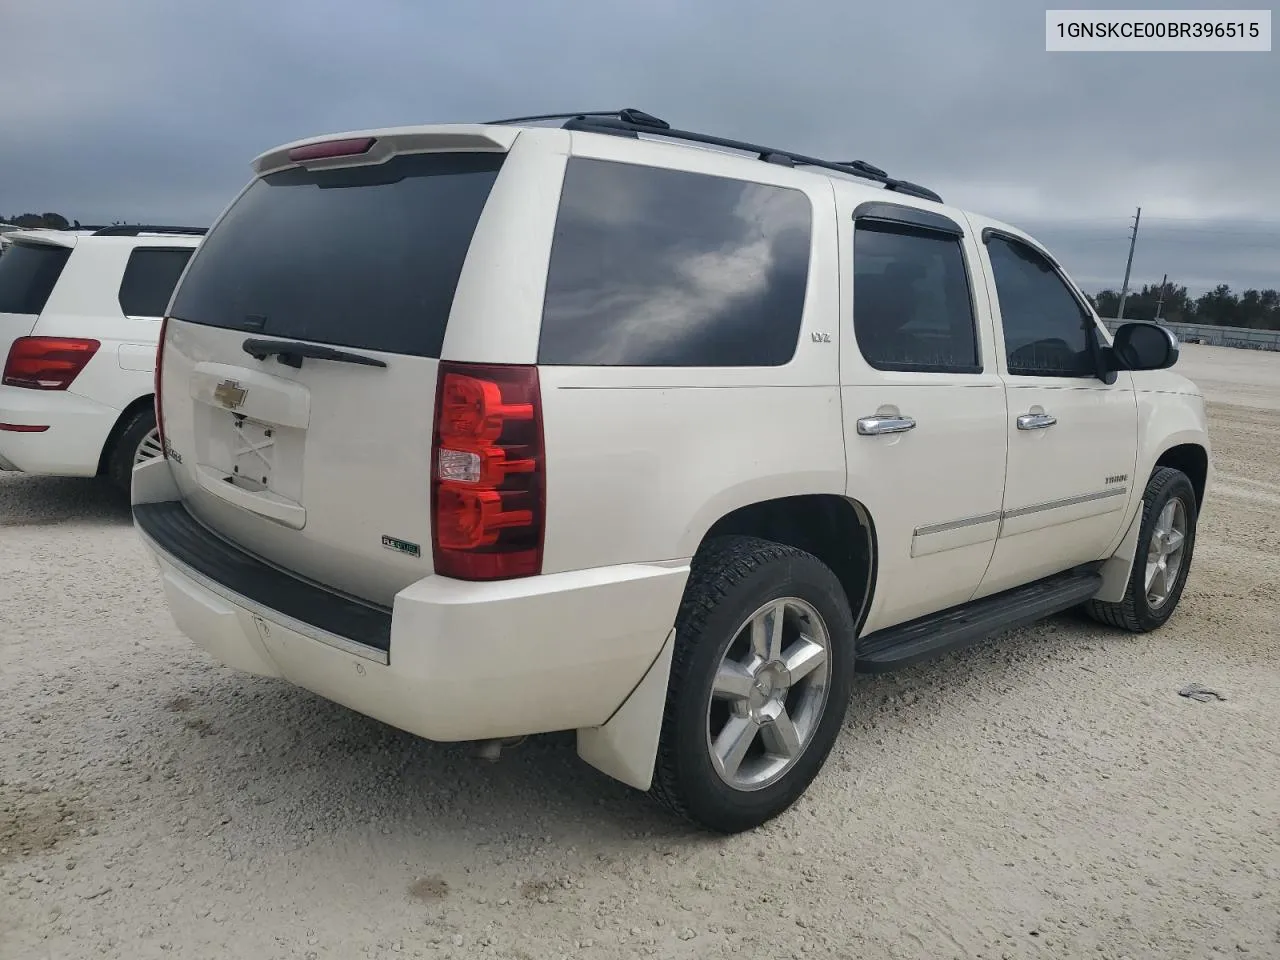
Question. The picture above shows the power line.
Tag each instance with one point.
(1188, 231)
(1269, 222)
(1233, 223)
(1267, 243)
(1201, 232)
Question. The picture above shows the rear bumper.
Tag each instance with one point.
(71, 446)
(463, 661)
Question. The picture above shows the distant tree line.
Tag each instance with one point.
(52, 221)
(1256, 309)
(49, 221)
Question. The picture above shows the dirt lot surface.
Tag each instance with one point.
(1248, 378)
(1047, 794)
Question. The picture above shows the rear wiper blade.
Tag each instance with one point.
(291, 353)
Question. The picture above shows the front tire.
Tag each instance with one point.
(760, 682)
(1162, 558)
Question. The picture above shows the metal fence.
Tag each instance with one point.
(1244, 337)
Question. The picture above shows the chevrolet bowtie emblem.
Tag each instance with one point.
(229, 393)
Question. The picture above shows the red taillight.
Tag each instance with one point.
(164, 447)
(488, 494)
(351, 147)
(47, 363)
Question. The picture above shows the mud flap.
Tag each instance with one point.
(625, 747)
(153, 482)
(1115, 572)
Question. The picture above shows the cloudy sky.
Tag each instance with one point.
(152, 109)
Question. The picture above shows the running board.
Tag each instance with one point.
(937, 633)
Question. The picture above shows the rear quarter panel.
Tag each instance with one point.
(86, 304)
(641, 461)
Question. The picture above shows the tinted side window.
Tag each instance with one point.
(912, 307)
(365, 256)
(1046, 330)
(653, 267)
(28, 273)
(149, 279)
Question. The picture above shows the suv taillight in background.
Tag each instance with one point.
(488, 472)
(164, 448)
(47, 363)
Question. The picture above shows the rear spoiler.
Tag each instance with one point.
(46, 237)
(378, 146)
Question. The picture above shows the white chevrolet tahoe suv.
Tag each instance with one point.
(80, 316)
(498, 429)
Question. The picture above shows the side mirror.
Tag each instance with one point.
(1143, 346)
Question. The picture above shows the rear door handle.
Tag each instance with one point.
(875, 426)
(1036, 421)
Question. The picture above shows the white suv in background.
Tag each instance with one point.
(80, 317)
(490, 430)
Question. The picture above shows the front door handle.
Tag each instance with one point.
(875, 426)
(1036, 421)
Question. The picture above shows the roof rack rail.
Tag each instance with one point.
(631, 123)
(630, 115)
(135, 229)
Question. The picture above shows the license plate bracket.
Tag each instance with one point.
(252, 451)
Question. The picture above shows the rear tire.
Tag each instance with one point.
(1162, 556)
(784, 694)
(137, 442)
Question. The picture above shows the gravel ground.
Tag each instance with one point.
(1047, 794)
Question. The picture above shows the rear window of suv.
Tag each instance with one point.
(28, 274)
(656, 267)
(364, 256)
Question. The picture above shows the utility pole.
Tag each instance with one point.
(1160, 302)
(1124, 291)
